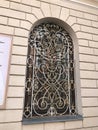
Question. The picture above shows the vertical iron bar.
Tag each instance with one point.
(68, 75)
(33, 80)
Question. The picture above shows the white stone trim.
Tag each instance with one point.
(85, 3)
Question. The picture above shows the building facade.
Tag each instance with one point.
(80, 19)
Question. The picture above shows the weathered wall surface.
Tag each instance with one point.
(16, 19)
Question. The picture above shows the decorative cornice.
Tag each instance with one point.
(92, 3)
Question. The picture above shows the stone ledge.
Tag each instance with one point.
(51, 119)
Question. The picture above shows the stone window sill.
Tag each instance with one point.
(51, 119)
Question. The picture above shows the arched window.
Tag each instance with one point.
(49, 89)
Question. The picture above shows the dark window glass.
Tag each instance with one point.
(49, 88)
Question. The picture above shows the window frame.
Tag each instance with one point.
(76, 75)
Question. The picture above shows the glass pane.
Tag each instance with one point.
(50, 73)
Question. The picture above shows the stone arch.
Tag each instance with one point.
(76, 55)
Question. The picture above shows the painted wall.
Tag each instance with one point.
(16, 19)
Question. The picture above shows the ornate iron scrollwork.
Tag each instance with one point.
(49, 88)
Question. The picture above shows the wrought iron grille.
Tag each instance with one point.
(49, 86)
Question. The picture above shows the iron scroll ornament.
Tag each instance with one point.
(49, 86)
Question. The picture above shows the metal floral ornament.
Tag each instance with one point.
(49, 87)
